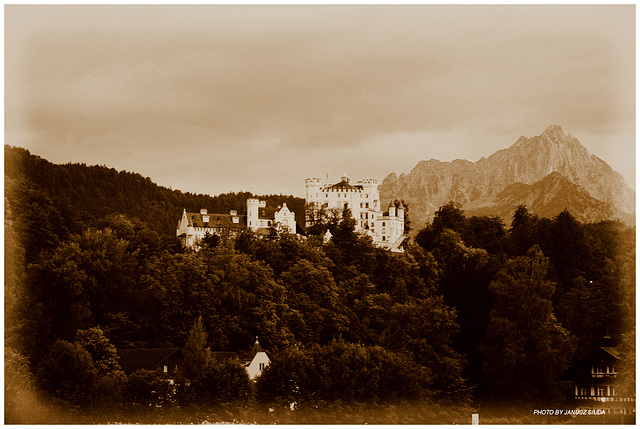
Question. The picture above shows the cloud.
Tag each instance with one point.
(145, 80)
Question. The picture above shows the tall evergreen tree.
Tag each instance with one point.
(526, 348)
(195, 353)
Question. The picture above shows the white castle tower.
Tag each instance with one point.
(312, 188)
(253, 209)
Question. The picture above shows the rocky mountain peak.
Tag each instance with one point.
(555, 132)
(430, 184)
(553, 136)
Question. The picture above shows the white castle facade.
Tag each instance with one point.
(193, 227)
(363, 199)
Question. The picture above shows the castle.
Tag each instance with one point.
(363, 199)
(193, 227)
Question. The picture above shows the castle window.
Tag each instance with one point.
(584, 391)
(602, 390)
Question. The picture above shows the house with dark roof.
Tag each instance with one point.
(166, 360)
(193, 227)
(169, 360)
(594, 380)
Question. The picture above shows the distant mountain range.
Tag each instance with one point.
(547, 173)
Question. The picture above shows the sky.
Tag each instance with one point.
(222, 98)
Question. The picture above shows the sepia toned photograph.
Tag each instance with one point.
(320, 214)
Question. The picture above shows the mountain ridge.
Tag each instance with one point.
(94, 192)
(546, 198)
(433, 183)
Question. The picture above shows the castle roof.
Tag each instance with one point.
(343, 185)
(216, 220)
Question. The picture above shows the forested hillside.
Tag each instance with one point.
(87, 193)
(472, 316)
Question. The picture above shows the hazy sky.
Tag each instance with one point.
(211, 99)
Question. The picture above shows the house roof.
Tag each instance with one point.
(582, 368)
(613, 351)
(216, 220)
(134, 359)
(224, 355)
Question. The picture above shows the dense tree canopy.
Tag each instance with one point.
(526, 348)
(472, 310)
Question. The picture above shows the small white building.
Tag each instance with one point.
(285, 218)
(363, 199)
(258, 362)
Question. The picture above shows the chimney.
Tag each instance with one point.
(256, 347)
(606, 341)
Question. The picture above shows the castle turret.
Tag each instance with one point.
(185, 230)
(253, 208)
(401, 211)
(312, 188)
(392, 210)
(371, 196)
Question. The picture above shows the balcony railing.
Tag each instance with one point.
(603, 375)
(605, 398)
